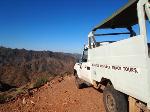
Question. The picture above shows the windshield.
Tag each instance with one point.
(85, 55)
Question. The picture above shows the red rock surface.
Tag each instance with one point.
(58, 96)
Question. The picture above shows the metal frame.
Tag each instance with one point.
(147, 9)
(142, 7)
(111, 34)
(142, 22)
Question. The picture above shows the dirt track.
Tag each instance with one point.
(58, 96)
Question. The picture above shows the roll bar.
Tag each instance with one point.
(147, 9)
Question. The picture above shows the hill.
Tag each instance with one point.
(20, 66)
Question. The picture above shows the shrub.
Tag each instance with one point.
(40, 82)
(4, 98)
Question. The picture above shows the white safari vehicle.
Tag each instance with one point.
(122, 68)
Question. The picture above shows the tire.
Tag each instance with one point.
(114, 101)
(78, 81)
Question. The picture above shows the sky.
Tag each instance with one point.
(55, 25)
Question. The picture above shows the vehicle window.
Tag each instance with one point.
(85, 55)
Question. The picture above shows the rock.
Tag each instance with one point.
(32, 102)
(60, 79)
(24, 101)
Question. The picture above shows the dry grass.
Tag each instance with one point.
(40, 82)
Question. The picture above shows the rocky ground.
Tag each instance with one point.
(59, 95)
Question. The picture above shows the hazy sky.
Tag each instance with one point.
(56, 25)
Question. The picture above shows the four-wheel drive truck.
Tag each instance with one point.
(120, 68)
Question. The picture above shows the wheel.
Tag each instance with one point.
(78, 82)
(114, 101)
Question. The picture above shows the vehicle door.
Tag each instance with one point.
(85, 71)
